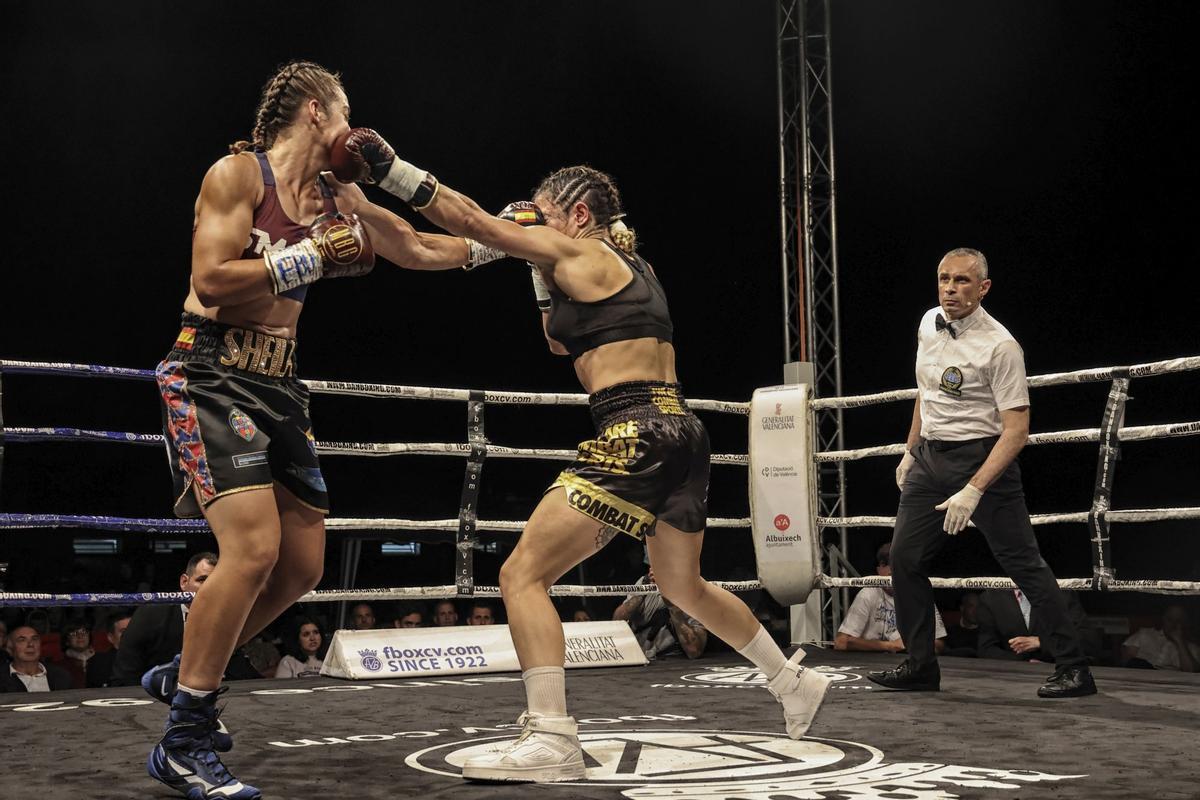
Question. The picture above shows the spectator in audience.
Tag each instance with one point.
(1171, 647)
(155, 634)
(258, 655)
(870, 623)
(26, 672)
(445, 614)
(409, 615)
(963, 637)
(481, 613)
(363, 617)
(304, 650)
(581, 615)
(100, 666)
(77, 651)
(4, 656)
(659, 626)
(1010, 629)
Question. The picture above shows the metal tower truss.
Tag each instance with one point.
(809, 224)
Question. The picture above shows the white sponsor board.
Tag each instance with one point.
(466, 649)
(783, 492)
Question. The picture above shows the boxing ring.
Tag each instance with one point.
(655, 739)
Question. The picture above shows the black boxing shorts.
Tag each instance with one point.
(648, 462)
(235, 417)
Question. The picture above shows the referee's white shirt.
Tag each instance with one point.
(965, 382)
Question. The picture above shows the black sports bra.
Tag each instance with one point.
(637, 310)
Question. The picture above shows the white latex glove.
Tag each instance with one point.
(959, 508)
(902, 469)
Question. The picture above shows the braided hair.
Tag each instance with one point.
(598, 192)
(283, 95)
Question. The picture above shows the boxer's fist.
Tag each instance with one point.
(373, 150)
(344, 246)
(523, 213)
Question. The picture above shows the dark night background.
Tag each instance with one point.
(1057, 137)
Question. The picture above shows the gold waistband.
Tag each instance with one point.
(260, 353)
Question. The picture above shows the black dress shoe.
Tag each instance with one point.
(909, 679)
(1070, 681)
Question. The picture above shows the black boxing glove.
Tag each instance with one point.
(337, 246)
(393, 175)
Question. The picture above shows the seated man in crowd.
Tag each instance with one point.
(962, 639)
(409, 615)
(870, 623)
(77, 651)
(481, 613)
(1010, 629)
(1172, 647)
(100, 666)
(26, 672)
(660, 627)
(155, 634)
(362, 617)
(445, 614)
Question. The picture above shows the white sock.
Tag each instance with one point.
(763, 653)
(546, 690)
(194, 692)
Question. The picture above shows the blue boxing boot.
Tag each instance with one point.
(160, 682)
(185, 758)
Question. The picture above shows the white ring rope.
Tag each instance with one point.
(1134, 434)
(1051, 379)
(1190, 587)
(1129, 515)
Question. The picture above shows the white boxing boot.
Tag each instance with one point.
(546, 751)
(801, 691)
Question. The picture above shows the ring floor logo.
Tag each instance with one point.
(745, 765)
(726, 677)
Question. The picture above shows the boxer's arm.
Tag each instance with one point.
(224, 217)
(402, 244)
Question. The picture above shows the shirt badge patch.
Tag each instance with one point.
(952, 380)
(242, 425)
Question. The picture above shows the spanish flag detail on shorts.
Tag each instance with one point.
(187, 337)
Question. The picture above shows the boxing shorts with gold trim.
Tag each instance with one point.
(235, 416)
(648, 462)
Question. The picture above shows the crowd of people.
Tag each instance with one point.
(115, 647)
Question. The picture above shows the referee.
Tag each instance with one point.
(970, 420)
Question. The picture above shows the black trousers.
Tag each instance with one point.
(942, 469)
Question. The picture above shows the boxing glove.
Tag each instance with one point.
(393, 175)
(337, 246)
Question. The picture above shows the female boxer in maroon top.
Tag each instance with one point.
(235, 415)
(645, 473)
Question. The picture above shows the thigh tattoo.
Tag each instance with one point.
(605, 535)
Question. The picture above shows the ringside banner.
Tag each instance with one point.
(782, 492)
(464, 649)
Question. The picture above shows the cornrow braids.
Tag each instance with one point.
(282, 97)
(597, 191)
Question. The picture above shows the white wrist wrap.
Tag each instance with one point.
(540, 291)
(296, 265)
(402, 179)
(481, 254)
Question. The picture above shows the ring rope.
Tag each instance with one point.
(333, 448)
(1052, 379)
(1153, 586)
(1129, 515)
(362, 389)
(1133, 434)
(168, 525)
(332, 595)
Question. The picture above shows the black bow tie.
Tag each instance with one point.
(940, 324)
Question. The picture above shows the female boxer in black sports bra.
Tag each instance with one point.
(644, 474)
